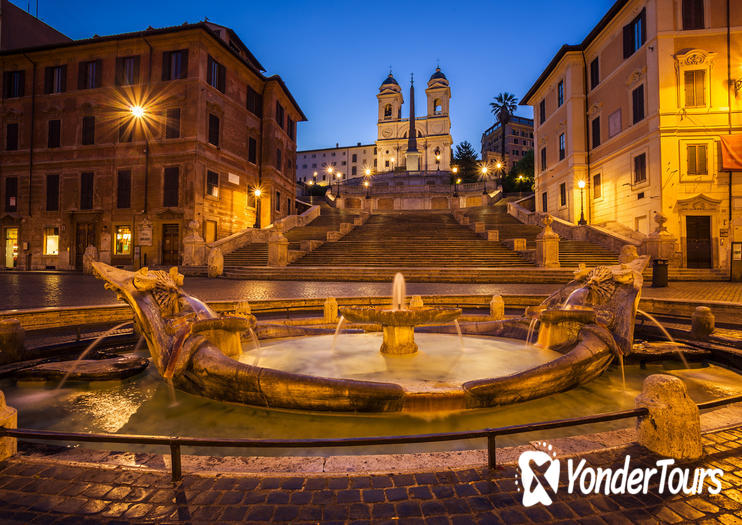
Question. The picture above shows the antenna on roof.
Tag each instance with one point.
(206, 19)
(412, 78)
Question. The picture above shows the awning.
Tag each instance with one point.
(731, 152)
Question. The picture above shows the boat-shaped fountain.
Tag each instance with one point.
(582, 329)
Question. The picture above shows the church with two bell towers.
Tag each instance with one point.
(396, 144)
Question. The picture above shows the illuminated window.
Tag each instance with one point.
(695, 83)
(560, 93)
(563, 194)
(212, 184)
(597, 189)
(640, 168)
(696, 155)
(51, 241)
(123, 241)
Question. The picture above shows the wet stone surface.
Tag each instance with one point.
(51, 493)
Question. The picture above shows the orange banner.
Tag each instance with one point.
(731, 152)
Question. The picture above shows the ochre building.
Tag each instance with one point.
(119, 142)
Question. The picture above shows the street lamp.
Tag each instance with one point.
(366, 184)
(484, 177)
(581, 185)
(138, 113)
(393, 161)
(338, 176)
(257, 192)
(456, 188)
(499, 167)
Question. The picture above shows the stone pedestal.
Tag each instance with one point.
(416, 302)
(12, 339)
(90, 255)
(493, 235)
(497, 308)
(333, 236)
(412, 161)
(345, 227)
(399, 340)
(215, 262)
(194, 246)
(479, 227)
(628, 254)
(8, 419)
(278, 250)
(703, 322)
(673, 427)
(330, 310)
(660, 244)
(547, 245)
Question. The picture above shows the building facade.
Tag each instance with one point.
(321, 166)
(518, 141)
(119, 142)
(636, 112)
(434, 139)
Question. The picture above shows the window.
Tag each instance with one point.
(354, 158)
(88, 130)
(353, 170)
(597, 190)
(693, 14)
(697, 164)
(126, 131)
(594, 73)
(543, 158)
(288, 205)
(596, 132)
(562, 147)
(563, 194)
(387, 112)
(172, 123)
(51, 241)
(635, 34)
(86, 191)
(252, 150)
(122, 246)
(640, 168)
(279, 114)
(695, 83)
(278, 201)
(175, 64)
(254, 102)
(279, 165)
(170, 187)
(14, 83)
(54, 137)
(213, 130)
(11, 194)
(212, 184)
(11, 136)
(55, 79)
(291, 127)
(216, 75)
(637, 104)
(123, 189)
(544, 202)
(542, 111)
(127, 71)
(614, 123)
(560, 93)
(89, 74)
(52, 193)
(210, 231)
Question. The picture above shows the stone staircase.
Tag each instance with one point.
(254, 254)
(410, 240)
(329, 220)
(571, 253)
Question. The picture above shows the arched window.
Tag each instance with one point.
(437, 107)
(388, 111)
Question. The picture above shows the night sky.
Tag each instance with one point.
(334, 55)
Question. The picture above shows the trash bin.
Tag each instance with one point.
(659, 273)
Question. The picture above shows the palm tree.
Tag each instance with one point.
(503, 108)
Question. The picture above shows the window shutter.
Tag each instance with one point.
(166, 65)
(699, 88)
(184, 61)
(690, 99)
(48, 80)
(64, 78)
(691, 159)
(222, 78)
(98, 73)
(628, 46)
(137, 63)
(701, 163)
(643, 19)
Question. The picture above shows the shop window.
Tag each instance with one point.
(122, 245)
(51, 241)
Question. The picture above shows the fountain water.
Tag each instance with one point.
(666, 334)
(399, 292)
(339, 327)
(89, 349)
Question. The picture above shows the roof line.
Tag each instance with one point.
(280, 81)
(336, 148)
(592, 35)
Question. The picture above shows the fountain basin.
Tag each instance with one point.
(399, 324)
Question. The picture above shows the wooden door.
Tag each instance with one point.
(698, 241)
(84, 237)
(170, 244)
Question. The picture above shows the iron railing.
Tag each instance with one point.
(176, 442)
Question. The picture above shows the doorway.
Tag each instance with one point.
(84, 237)
(170, 244)
(11, 247)
(698, 241)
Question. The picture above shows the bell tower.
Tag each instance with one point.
(390, 114)
(438, 152)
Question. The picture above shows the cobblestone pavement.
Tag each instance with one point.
(33, 290)
(46, 492)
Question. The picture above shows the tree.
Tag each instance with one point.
(466, 160)
(503, 108)
(520, 177)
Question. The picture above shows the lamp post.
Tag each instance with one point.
(139, 113)
(581, 185)
(499, 167)
(456, 191)
(484, 177)
(366, 184)
(257, 192)
(338, 176)
(437, 162)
